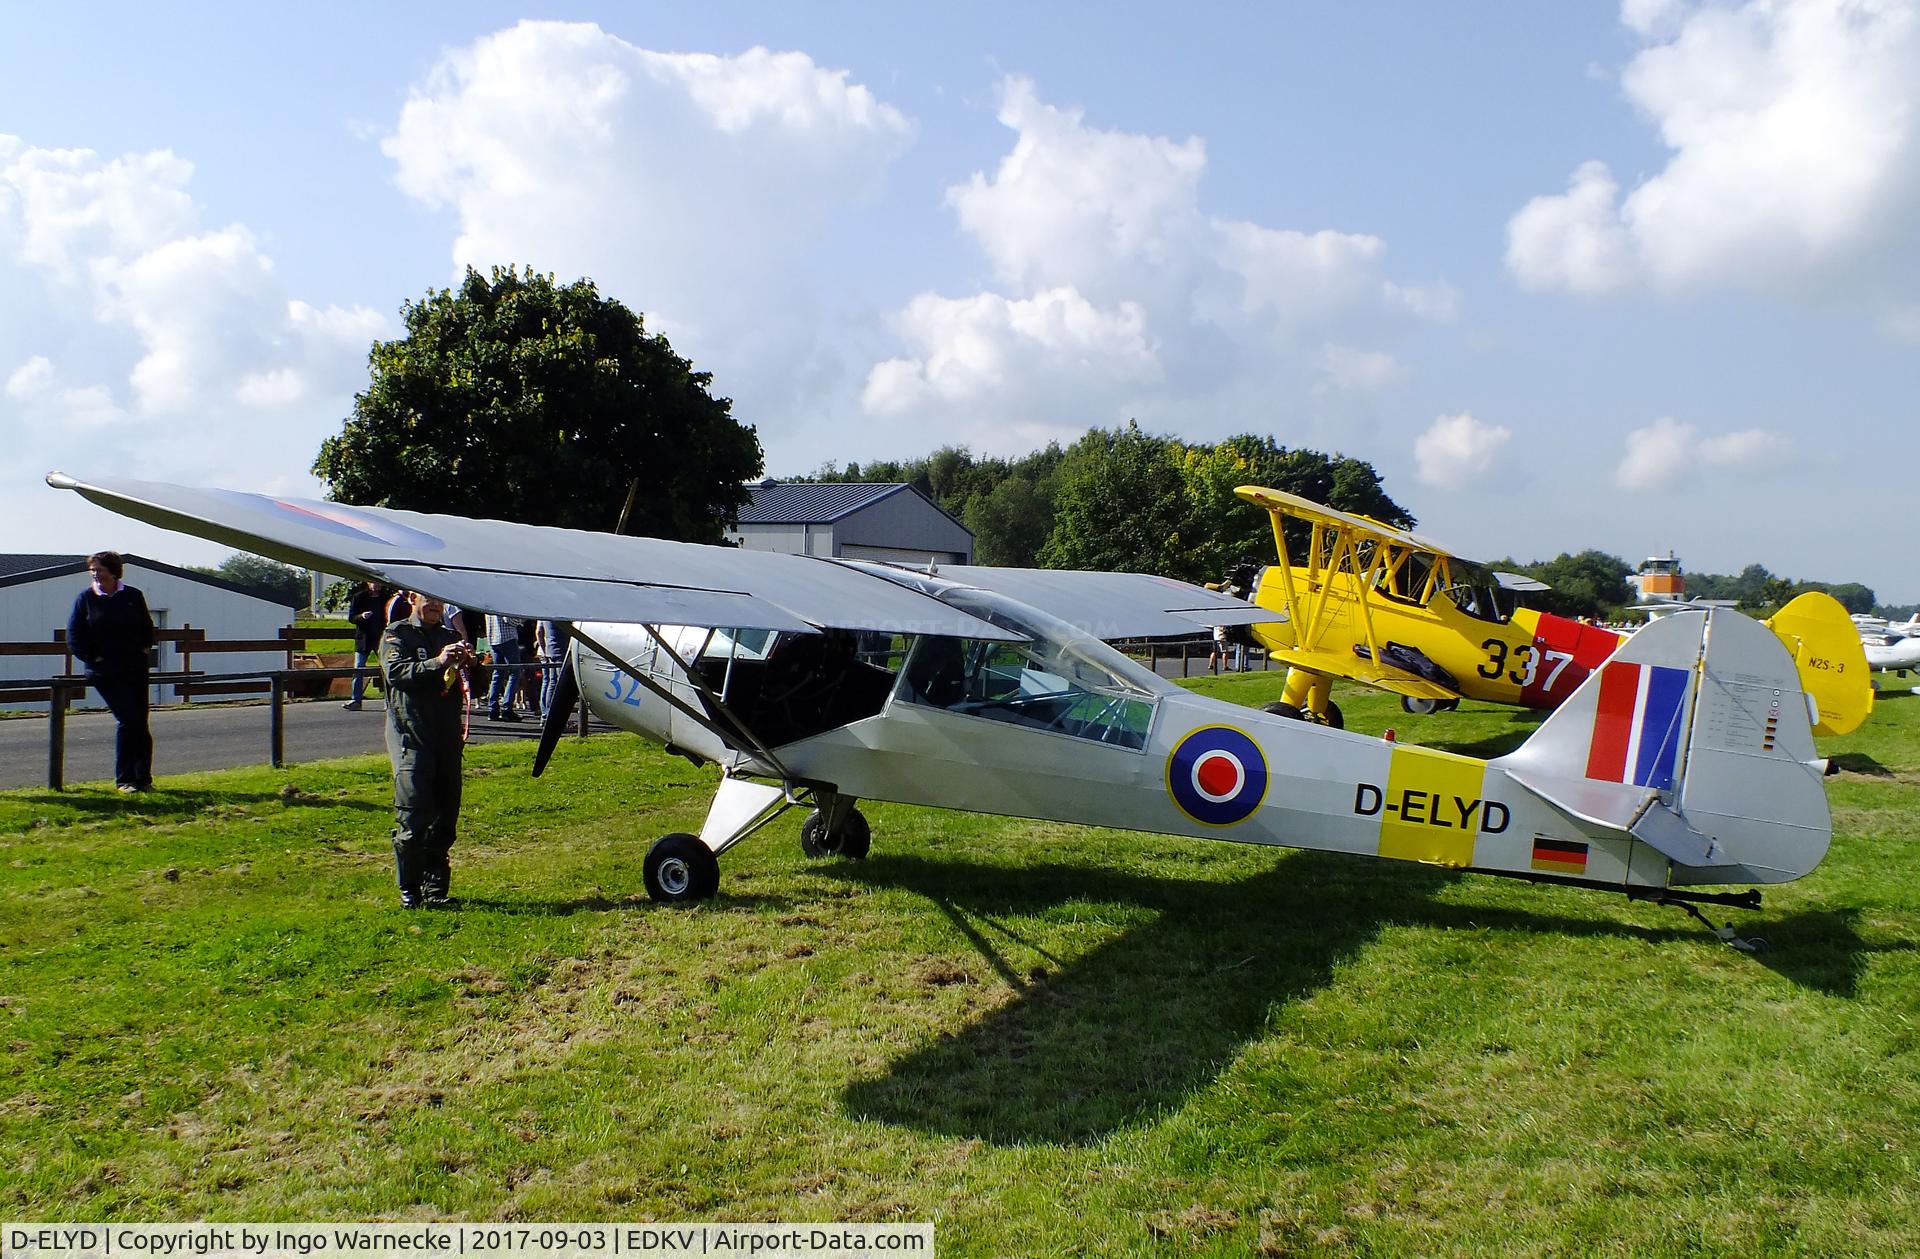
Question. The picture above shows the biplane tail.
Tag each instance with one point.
(1696, 738)
(1825, 646)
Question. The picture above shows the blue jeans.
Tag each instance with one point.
(359, 680)
(506, 681)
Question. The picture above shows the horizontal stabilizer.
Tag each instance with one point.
(1622, 807)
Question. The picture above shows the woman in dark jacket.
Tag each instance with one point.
(111, 633)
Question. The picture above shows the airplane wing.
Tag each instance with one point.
(1368, 672)
(1114, 605)
(538, 571)
(1306, 509)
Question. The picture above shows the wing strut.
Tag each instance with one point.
(679, 705)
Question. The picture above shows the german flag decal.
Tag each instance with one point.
(1560, 856)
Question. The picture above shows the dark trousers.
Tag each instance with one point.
(426, 809)
(126, 695)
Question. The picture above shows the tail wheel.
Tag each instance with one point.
(679, 868)
(853, 839)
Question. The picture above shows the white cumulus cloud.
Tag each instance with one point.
(1669, 451)
(115, 244)
(1456, 449)
(1794, 130)
(688, 185)
(1112, 224)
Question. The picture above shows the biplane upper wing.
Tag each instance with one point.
(539, 571)
(1370, 672)
(1306, 509)
(1114, 605)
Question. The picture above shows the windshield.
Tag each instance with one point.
(1063, 680)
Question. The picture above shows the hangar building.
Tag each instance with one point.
(37, 594)
(853, 520)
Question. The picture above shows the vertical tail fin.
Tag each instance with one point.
(1825, 646)
(1696, 738)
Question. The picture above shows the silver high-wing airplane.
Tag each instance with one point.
(1686, 759)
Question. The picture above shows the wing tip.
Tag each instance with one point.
(61, 481)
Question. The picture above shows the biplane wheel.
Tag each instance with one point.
(854, 838)
(679, 868)
(1449, 705)
(1280, 708)
(1421, 707)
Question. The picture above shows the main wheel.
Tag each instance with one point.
(680, 868)
(854, 838)
(1418, 707)
(1280, 708)
(1333, 717)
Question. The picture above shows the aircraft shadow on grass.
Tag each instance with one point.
(1147, 1020)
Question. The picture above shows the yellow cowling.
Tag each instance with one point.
(1825, 646)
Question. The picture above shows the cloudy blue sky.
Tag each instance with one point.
(1642, 277)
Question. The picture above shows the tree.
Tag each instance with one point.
(1119, 505)
(1591, 583)
(263, 576)
(515, 398)
(1010, 523)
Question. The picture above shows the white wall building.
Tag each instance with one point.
(852, 520)
(37, 594)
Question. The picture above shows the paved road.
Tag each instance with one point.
(225, 736)
(211, 737)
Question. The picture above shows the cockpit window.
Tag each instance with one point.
(1480, 595)
(1061, 681)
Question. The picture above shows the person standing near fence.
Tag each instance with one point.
(504, 633)
(420, 662)
(111, 633)
(368, 612)
(550, 643)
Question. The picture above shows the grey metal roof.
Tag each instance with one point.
(15, 565)
(803, 503)
(18, 569)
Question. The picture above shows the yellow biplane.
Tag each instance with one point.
(1382, 606)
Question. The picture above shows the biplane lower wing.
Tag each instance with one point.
(1367, 672)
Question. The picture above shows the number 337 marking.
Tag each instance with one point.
(1526, 663)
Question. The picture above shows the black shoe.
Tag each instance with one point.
(440, 900)
(509, 715)
(493, 714)
(352, 706)
(410, 900)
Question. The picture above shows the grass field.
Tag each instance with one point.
(1049, 1040)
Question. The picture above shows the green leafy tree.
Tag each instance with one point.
(1120, 505)
(515, 398)
(265, 577)
(1010, 523)
(1591, 583)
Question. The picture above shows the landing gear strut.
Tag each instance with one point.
(1727, 935)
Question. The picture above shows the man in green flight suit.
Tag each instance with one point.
(421, 658)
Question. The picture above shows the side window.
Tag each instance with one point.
(1028, 684)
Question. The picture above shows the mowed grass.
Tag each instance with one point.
(1048, 1039)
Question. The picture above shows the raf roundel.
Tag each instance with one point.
(1217, 776)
